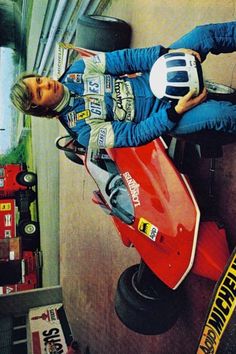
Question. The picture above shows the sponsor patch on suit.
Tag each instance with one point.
(102, 137)
(74, 78)
(71, 119)
(84, 114)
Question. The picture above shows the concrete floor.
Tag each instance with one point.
(92, 256)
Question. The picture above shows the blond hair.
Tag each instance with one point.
(21, 99)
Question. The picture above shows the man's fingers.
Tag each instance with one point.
(189, 95)
(197, 55)
(202, 96)
(189, 51)
(188, 101)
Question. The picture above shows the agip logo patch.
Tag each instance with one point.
(148, 229)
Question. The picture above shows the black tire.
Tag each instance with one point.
(29, 228)
(27, 179)
(73, 157)
(143, 313)
(103, 33)
(29, 232)
(220, 92)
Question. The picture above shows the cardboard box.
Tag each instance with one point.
(4, 249)
(47, 330)
(14, 248)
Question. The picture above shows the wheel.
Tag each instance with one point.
(28, 228)
(220, 92)
(27, 179)
(29, 232)
(103, 33)
(149, 312)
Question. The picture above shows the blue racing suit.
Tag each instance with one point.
(107, 109)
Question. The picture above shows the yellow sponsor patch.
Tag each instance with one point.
(83, 115)
(148, 229)
(5, 206)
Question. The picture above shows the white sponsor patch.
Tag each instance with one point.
(7, 234)
(96, 108)
(102, 137)
(71, 118)
(93, 85)
(108, 83)
(123, 107)
(8, 220)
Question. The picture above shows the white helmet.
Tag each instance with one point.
(174, 74)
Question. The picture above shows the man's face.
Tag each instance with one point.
(44, 91)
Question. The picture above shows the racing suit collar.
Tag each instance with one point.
(65, 100)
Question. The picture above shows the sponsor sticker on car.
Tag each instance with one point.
(148, 229)
(5, 206)
(222, 308)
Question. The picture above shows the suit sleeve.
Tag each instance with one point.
(120, 62)
(132, 60)
(96, 133)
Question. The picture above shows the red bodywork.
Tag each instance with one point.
(7, 218)
(8, 180)
(166, 230)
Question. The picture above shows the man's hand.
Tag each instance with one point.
(187, 51)
(188, 101)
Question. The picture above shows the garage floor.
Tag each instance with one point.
(92, 256)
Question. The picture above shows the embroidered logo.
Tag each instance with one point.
(96, 59)
(102, 137)
(84, 114)
(74, 78)
(108, 83)
(123, 106)
(71, 118)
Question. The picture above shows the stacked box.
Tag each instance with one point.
(46, 329)
(4, 249)
(10, 249)
(14, 248)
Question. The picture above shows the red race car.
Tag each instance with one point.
(154, 208)
(150, 198)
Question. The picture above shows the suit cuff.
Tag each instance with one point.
(173, 116)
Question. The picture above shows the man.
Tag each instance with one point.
(107, 109)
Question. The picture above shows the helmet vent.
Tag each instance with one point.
(177, 91)
(177, 76)
(177, 62)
